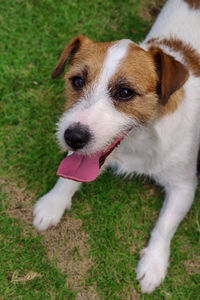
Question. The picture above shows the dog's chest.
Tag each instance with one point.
(138, 153)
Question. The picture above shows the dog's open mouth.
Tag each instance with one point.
(85, 168)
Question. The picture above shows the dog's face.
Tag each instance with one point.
(110, 89)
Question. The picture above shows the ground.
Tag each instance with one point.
(93, 252)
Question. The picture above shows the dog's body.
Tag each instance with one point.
(151, 94)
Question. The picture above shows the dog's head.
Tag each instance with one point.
(111, 88)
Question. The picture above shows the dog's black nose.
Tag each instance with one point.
(76, 137)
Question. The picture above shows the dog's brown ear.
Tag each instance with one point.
(172, 74)
(69, 51)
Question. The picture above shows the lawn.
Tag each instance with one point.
(93, 252)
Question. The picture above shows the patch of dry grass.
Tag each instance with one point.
(66, 245)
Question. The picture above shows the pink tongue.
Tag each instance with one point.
(79, 168)
(84, 168)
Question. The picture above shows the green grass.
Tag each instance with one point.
(119, 220)
(23, 255)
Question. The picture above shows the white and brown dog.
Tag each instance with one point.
(146, 97)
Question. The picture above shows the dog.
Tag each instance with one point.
(134, 108)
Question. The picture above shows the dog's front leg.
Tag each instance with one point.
(153, 264)
(49, 209)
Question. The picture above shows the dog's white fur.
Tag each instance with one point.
(167, 150)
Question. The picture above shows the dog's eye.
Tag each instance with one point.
(124, 94)
(77, 82)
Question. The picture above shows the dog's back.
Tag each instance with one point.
(178, 19)
(177, 31)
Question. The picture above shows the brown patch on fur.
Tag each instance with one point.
(144, 106)
(91, 56)
(190, 55)
(195, 4)
(161, 70)
(152, 40)
(142, 70)
(143, 109)
(67, 244)
(172, 74)
(68, 53)
(192, 61)
(173, 103)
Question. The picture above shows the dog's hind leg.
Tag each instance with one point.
(49, 209)
(153, 264)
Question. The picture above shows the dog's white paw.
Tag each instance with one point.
(151, 269)
(49, 209)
